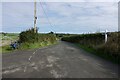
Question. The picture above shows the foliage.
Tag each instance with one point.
(96, 43)
(112, 45)
(60, 35)
(51, 32)
(28, 36)
(31, 40)
(31, 37)
(85, 39)
(5, 49)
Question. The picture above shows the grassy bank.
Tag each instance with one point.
(6, 39)
(115, 60)
(30, 40)
(5, 49)
(26, 46)
(94, 43)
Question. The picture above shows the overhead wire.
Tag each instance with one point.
(46, 14)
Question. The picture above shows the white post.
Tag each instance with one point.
(105, 36)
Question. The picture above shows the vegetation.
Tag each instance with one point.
(30, 40)
(61, 35)
(30, 37)
(6, 49)
(9, 36)
(6, 39)
(95, 44)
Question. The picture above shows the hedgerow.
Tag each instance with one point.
(97, 42)
(29, 39)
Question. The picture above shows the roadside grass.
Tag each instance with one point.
(114, 59)
(26, 46)
(28, 40)
(94, 43)
(5, 41)
(5, 49)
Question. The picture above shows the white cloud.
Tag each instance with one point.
(69, 16)
(0, 17)
(98, 14)
(60, 0)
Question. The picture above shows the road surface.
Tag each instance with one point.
(63, 60)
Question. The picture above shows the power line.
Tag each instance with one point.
(46, 15)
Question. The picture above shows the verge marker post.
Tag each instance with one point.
(105, 36)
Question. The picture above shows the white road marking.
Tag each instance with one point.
(17, 69)
(36, 68)
(30, 58)
(34, 53)
(36, 50)
(11, 71)
(32, 64)
(25, 68)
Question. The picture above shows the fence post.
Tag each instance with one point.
(105, 36)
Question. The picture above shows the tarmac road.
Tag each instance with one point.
(63, 60)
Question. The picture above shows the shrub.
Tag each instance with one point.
(109, 49)
(30, 39)
(85, 39)
(28, 36)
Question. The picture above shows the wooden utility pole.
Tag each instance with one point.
(35, 17)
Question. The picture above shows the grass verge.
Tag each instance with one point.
(114, 59)
(26, 46)
(6, 49)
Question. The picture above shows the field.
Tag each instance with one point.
(95, 43)
(6, 39)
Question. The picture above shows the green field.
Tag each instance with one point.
(9, 36)
(6, 39)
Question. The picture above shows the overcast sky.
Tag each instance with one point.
(65, 17)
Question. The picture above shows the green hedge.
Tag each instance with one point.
(31, 37)
(97, 43)
(28, 36)
(85, 39)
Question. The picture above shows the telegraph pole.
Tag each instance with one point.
(35, 17)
